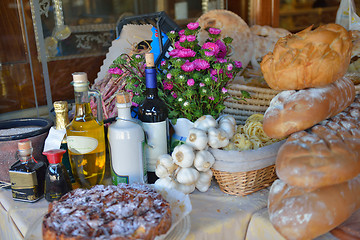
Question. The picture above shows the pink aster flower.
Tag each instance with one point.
(173, 94)
(182, 38)
(178, 46)
(174, 52)
(163, 63)
(181, 32)
(212, 98)
(193, 26)
(224, 90)
(214, 31)
(191, 38)
(188, 66)
(222, 49)
(213, 72)
(229, 67)
(185, 53)
(168, 76)
(230, 75)
(238, 64)
(190, 82)
(214, 78)
(168, 85)
(211, 47)
(201, 64)
(222, 60)
(202, 84)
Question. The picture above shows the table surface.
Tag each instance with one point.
(215, 215)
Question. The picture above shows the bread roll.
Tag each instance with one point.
(308, 58)
(292, 111)
(326, 154)
(231, 25)
(297, 214)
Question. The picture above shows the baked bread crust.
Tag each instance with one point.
(292, 111)
(308, 58)
(326, 154)
(108, 212)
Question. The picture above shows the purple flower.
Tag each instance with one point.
(188, 66)
(230, 67)
(137, 56)
(213, 72)
(201, 84)
(214, 31)
(174, 52)
(201, 64)
(163, 63)
(168, 85)
(191, 38)
(214, 78)
(211, 47)
(184, 53)
(222, 49)
(224, 90)
(238, 64)
(174, 94)
(230, 75)
(193, 26)
(115, 70)
(168, 76)
(221, 60)
(190, 82)
(182, 38)
(212, 98)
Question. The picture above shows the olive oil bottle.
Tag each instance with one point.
(85, 136)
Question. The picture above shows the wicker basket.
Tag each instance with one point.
(258, 103)
(244, 183)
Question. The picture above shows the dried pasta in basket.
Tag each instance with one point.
(250, 135)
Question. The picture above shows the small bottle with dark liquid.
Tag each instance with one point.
(57, 180)
(27, 176)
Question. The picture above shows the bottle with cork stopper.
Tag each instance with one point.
(153, 113)
(126, 141)
(57, 181)
(27, 175)
(85, 135)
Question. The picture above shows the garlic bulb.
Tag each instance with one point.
(217, 138)
(197, 138)
(227, 118)
(166, 182)
(186, 189)
(203, 160)
(187, 176)
(204, 181)
(167, 161)
(228, 127)
(205, 122)
(183, 155)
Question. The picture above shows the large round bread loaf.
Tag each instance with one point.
(308, 58)
(326, 154)
(297, 214)
(292, 111)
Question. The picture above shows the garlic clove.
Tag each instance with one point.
(204, 181)
(165, 183)
(161, 171)
(186, 189)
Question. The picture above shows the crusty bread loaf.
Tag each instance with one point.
(326, 154)
(308, 58)
(298, 214)
(231, 25)
(292, 111)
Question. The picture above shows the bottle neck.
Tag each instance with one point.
(124, 112)
(25, 158)
(61, 119)
(151, 83)
(82, 102)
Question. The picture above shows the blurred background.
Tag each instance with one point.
(43, 41)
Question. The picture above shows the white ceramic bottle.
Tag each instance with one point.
(126, 141)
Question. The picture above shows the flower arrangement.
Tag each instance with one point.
(195, 77)
(192, 81)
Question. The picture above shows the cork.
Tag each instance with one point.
(60, 106)
(123, 97)
(24, 144)
(80, 77)
(149, 59)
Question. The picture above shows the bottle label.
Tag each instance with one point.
(157, 142)
(24, 186)
(116, 179)
(81, 144)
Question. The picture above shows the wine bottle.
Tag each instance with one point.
(85, 136)
(127, 142)
(153, 114)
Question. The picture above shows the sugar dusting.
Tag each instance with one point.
(18, 130)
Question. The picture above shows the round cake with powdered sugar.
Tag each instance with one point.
(108, 212)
